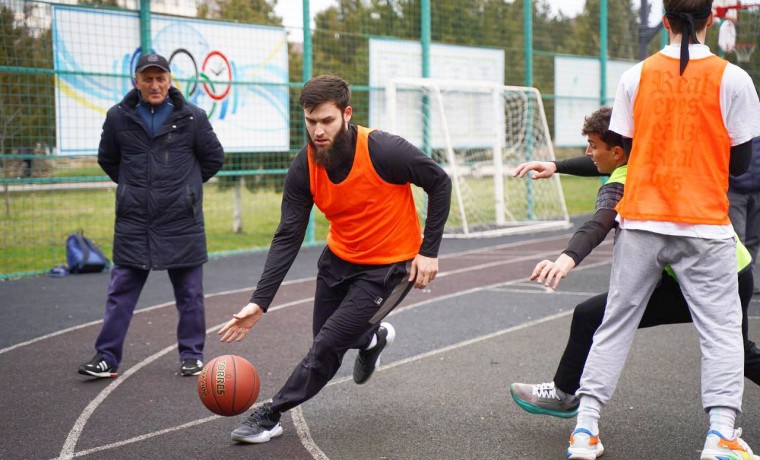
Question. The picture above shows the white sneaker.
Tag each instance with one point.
(584, 445)
(718, 447)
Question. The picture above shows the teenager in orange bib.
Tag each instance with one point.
(688, 117)
(376, 251)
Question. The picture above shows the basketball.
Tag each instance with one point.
(228, 385)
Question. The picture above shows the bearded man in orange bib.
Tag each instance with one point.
(688, 117)
(376, 251)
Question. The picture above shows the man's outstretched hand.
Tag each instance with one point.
(237, 328)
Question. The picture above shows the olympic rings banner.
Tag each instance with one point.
(237, 73)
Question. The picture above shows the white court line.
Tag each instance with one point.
(237, 291)
(69, 446)
(548, 291)
(482, 288)
(302, 429)
(140, 311)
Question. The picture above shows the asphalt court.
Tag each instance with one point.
(441, 392)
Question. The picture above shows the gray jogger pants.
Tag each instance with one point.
(706, 270)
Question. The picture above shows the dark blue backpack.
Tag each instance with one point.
(84, 256)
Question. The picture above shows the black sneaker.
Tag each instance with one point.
(98, 367)
(368, 360)
(191, 367)
(261, 426)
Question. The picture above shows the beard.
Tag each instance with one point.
(332, 155)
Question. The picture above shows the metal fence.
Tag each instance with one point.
(50, 180)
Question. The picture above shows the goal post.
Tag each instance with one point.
(479, 132)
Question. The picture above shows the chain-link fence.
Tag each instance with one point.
(63, 65)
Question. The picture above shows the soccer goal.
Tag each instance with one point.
(479, 132)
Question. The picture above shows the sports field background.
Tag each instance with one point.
(46, 196)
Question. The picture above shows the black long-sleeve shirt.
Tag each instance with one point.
(395, 160)
(594, 231)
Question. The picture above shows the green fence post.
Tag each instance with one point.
(425, 40)
(603, 18)
(306, 75)
(528, 34)
(145, 42)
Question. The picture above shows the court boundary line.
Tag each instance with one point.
(302, 427)
(237, 291)
(69, 448)
(140, 311)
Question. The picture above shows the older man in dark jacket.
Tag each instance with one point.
(159, 149)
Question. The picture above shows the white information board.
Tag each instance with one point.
(391, 59)
(209, 61)
(577, 94)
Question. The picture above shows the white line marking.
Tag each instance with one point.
(237, 291)
(68, 450)
(308, 442)
(302, 428)
(482, 288)
(548, 291)
(82, 453)
(137, 312)
(303, 431)
(143, 437)
(71, 440)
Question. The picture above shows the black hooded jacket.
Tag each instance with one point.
(159, 197)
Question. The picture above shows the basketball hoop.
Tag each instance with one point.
(740, 21)
(744, 51)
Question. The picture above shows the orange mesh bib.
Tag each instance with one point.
(371, 221)
(678, 168)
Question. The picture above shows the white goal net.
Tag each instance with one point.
(479, 132)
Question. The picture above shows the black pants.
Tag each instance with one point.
(347, 297)
(666, 306)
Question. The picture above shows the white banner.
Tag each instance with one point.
(243, 88)
(577, 94)
(391, 59)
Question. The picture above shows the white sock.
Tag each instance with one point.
(372, 343)
(589, 412)
(722, 420)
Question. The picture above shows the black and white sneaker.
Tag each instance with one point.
(191, 367)
(261, 426)
(368, 360)
(98, 367)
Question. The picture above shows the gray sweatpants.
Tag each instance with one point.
(706, 270)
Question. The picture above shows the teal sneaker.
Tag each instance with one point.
(543, 399)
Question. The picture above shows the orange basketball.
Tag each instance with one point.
(228, 385)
